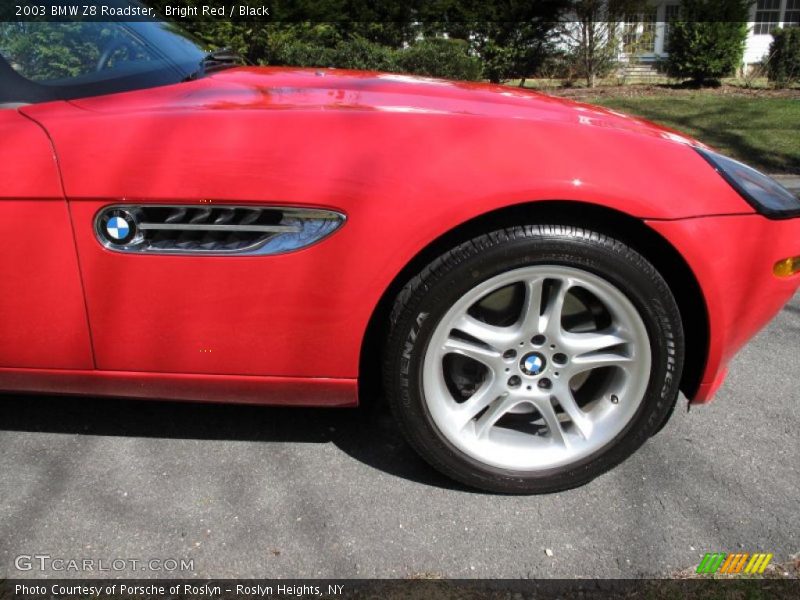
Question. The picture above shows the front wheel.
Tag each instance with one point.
(533, 359)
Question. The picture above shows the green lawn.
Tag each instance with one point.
(761, 131)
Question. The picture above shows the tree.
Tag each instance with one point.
(516, 37)
(511, 37)
(784, 56)
(44, 51)
(590, 29)
(707, 41)
(440, 57)
(303, 28)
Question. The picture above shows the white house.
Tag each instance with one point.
(647, 39)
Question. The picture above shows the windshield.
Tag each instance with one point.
(59, 61)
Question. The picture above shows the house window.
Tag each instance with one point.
(792, 17)
(671, 14)
(768, 16)
(639, 33)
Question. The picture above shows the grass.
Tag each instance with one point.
(744, 118)
(761, 131)
(544, 83)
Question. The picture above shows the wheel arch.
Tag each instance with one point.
(630, 230)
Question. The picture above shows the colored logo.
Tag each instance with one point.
(720, 562)
(119, 228)
(532, 364)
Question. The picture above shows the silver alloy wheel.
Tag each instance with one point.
(554, 382)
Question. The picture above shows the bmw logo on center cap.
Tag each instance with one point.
(532, 364)
(120, 227)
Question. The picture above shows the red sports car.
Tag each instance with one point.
(529, 281)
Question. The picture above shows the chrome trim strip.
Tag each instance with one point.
(232, 228)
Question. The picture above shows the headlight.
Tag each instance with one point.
(766, 195)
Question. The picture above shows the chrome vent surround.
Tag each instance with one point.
(214, 230)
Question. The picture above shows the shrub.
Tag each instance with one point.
(559, 65)
(319, 48)
(440, 57)
(300, 45)
(299, 54)
(359, 53)
(435, 57)
(784, 56)
(708, 41)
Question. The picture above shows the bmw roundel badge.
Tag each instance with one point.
(533, 364)
(119, 227)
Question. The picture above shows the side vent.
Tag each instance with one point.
(212, 230)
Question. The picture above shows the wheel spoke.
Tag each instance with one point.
(482, 354)
(578, 344)
(532, 307)
(545, 408)
(596, 350)
(489, 392)
(495, 337)
(589, 362)
(496, 410)
(550, 320)
(579, 418)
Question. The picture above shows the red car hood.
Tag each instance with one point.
(281, 88)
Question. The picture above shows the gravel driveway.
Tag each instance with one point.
(248, 491)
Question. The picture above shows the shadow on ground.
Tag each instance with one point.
(367, 434)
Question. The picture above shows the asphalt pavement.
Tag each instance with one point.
(264, 492)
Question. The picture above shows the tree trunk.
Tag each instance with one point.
(522, 82)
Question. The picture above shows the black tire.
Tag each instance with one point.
(427, 297)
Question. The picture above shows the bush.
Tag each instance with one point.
(300, 46)
(784, 56)
(320, 46)
(359, 53)
(559, 65)
(708, 41)
(298, 54)
(437, 57)
(440, 57)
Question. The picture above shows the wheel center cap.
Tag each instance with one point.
(532, 364)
